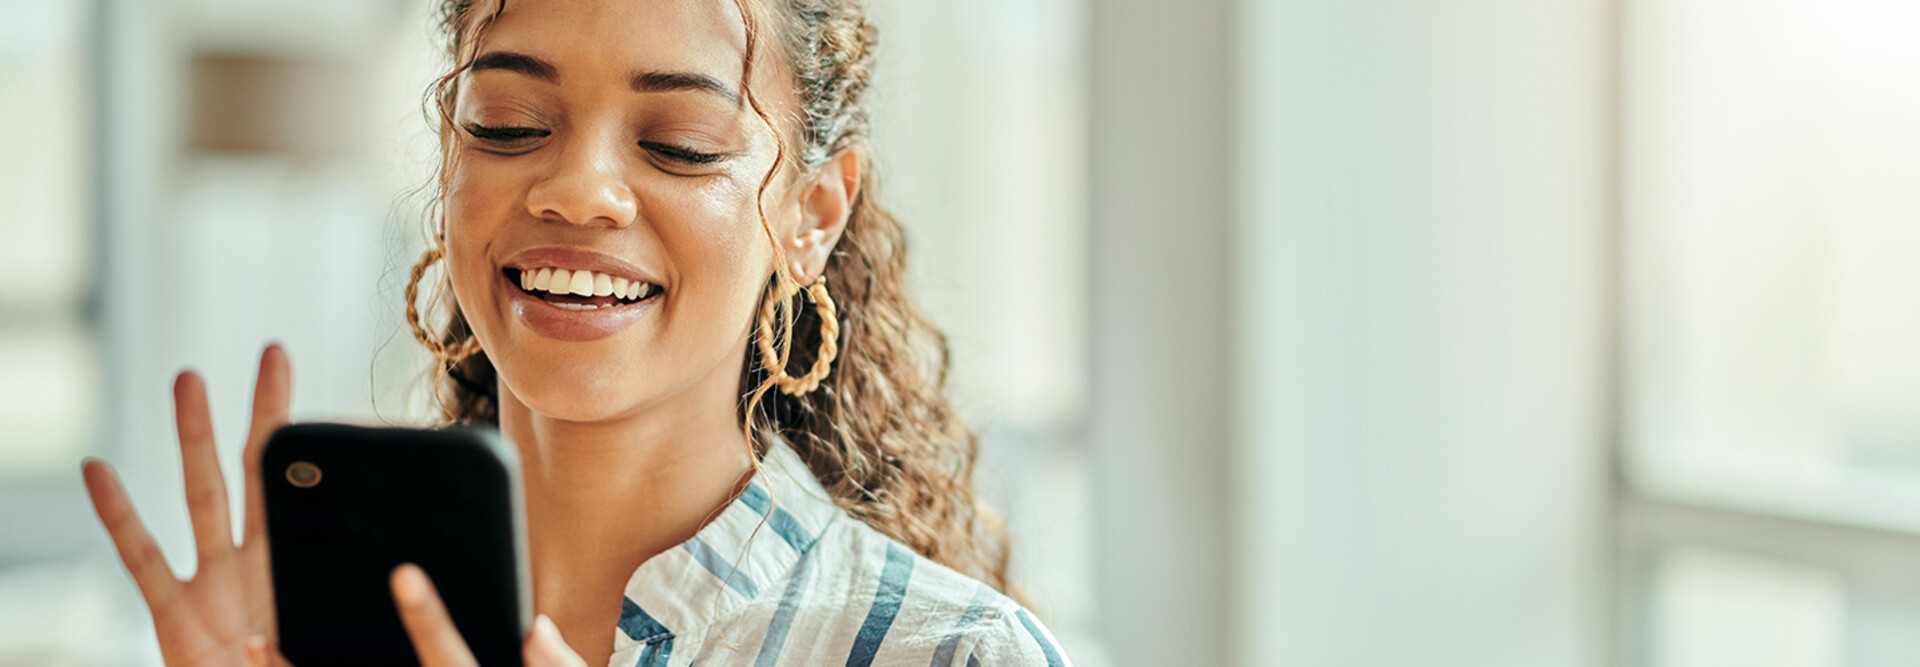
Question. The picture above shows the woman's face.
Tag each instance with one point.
(602, 231)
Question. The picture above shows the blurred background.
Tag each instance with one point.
(1299, 332)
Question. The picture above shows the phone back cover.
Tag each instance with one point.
(444, 500)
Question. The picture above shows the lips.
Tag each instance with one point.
(577, 295)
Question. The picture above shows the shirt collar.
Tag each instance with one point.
(737, 557)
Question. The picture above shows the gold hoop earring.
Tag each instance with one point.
(433, 343)
(829, 340)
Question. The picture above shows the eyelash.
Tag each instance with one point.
(515, 134)
(504, 134)
(681, 153)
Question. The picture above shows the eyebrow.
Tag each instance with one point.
(667, 81)
(649, 81)
(516, 62)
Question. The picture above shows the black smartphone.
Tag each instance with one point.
(347, 504)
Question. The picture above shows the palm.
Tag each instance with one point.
(210, 618)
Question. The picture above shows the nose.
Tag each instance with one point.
(585, 188)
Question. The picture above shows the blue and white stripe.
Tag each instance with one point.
(784, 577)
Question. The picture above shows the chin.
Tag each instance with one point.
(568, 406)
(575, 390)
(571, 408)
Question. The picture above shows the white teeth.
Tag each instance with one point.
(576, 306)
(582, 283)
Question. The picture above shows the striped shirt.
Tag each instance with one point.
(785, 577)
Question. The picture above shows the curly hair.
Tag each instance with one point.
(879, 432)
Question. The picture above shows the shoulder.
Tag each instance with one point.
(868, 599)
(946, 617)
(1009, 636)
(869, 573)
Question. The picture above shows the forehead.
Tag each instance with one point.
(612, 38)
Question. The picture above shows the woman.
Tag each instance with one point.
(644, 205)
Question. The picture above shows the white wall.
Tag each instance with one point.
(1422, 272)
(1159, 422)
(1350, 397)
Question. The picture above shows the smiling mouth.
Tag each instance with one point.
(581, 290)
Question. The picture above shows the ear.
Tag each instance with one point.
(826, 202)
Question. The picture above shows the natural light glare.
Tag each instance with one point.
(48, 402)
(44, 239)
(1720, 609)
(1773, 295)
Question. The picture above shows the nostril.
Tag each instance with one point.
(580, 199)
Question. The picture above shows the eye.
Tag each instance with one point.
(505, 135)
(681, 153)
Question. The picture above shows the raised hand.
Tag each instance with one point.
(211, 618)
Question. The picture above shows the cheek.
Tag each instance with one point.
(478, 203)
(721, 252)
(479, 197)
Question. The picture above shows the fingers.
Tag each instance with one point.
(545, 648)
(206, 488)
(434, 638)
(439, 644)
(137, 548)
(272, 399)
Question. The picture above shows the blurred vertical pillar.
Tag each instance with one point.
(1422, 270)
(1159, 419)
(138, 116)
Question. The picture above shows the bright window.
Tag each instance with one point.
(1772, 321)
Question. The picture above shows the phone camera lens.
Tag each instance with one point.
(303, 474)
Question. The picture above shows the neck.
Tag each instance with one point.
(603, 497)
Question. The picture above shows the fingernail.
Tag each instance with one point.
(545, 628)
(406, 584)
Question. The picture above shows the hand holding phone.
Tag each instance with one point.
(439, 643)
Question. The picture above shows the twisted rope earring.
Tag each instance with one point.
(829, 340)
(433, 343)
